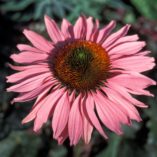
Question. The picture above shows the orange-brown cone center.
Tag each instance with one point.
(81, 65)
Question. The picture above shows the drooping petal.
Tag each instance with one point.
(126, 95)
(38, 41)
(25, 47)
(18, 68)
(90, 27)
(105, 32)
(80, 28)
(29, 57)
(131, 81)
(75, 126)
(29, 84)
(87, 126)
(95, 31)
(44, 112)
(119, 113)
(127, 48)
(125, 39)
(28, 96)
(131, 111)
(25, 67)
(67, 29)
(37, 105)
(92, 116)
(53, 30)
(115, 36)
(30, 72)
(131, 63)
(61, 115)
(106, 115)
(63, 135)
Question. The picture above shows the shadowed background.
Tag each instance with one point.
(18, 140)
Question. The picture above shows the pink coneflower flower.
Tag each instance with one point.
(82, 77)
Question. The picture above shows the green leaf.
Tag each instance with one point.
(147, 8)
(16, 6)
(113, 147)
(152, 125)
(19, 144)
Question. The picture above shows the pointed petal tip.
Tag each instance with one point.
(26, 120)
(8, 89)
(139, 120)
(19, 45)
(143, 43)
(23, 121)
(12, 102)
(25, 31)
(152, 95)
(154, 82)
(47, 18)
(35, 129)
(113, 22)
(119, 132)
(128, 25)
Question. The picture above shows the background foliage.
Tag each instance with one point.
(17, 140)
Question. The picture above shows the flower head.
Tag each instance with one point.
(84, 75)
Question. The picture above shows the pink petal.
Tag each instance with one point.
(53, 30)
(143, 53)
(126, 95)
(29, 57)
(44, 112)
(90, 27)
(30, 72)
(25, 47)
(38, 41)
(127, 48)
(123, 104)
(33, 94)
(39, 102)
(92, 116)
(21, 68)
(61, 115)
(119, 113)
(87, 126)
(29, 84)
(75, 122)
(80, 28)
(132, 80)
(115, 36)
(18, 68)
(106, 115)
(125, 39)
(104, 32)
(134, 63)
(95, 31)
(72, 98)
(63, 135)
(67, 29)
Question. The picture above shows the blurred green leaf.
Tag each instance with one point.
(113, 147)
(152, 125)
(19, 144)
(147, 8)
(16, 6)
(130, 17)
(59, 151)
(25, 10)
